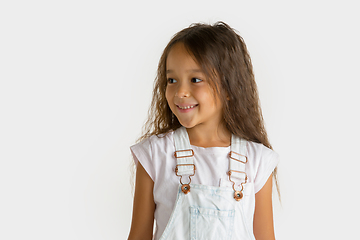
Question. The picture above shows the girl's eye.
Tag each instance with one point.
(196, 80)
(171, 80)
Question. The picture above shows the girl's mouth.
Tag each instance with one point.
(186, 107)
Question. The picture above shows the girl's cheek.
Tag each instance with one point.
(167, 95)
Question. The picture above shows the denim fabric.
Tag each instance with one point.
(208, 213)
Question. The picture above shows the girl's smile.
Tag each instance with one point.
(188, 92)
(186, 108)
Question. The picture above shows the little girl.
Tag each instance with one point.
(204, 165)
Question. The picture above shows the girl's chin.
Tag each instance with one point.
(187, 124)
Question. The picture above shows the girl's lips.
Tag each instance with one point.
(186, 108)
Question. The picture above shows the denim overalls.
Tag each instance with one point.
(206, 212)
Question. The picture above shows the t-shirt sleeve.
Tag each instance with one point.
(268, 160)
(142, 153)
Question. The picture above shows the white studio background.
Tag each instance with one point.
(76, 81)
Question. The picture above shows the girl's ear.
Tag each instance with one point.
(227, 96)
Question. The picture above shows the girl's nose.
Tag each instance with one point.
(182, 91)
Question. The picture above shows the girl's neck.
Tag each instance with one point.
(202, 136)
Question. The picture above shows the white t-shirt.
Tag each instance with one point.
(156, 155)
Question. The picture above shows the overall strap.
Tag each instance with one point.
(185, 161)
(184, 157)
(238, 159)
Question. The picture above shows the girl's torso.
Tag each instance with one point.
(156, 154)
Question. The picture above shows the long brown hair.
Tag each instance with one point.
(222, 55)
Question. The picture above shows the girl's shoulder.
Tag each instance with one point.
(259, 149)
(159, 138)
(152, 151)
(261, 163)
(155, 141)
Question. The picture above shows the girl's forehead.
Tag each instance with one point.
(178, 49)
(180, 57)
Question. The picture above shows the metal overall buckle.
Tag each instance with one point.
(238, 194)
(185, 188)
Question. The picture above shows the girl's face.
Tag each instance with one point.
(188, 92)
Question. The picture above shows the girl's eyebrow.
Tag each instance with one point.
(190, 70)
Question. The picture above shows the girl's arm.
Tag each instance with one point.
(143, 208)
(263, 217)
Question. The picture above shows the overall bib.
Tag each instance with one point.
(206, 212)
